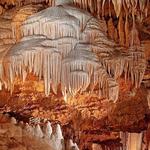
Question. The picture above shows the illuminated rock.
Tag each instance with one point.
(63, 41)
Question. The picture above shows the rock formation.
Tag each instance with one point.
(23, 136)
(82, 63)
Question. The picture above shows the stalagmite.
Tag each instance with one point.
(32, 136)
(76, 147)
(38, 131)
(48, 130)
(57, 139)
(58, 133)
(70, 144)
(29, 129)
(13, 120)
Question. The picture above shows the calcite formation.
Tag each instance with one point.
(83, 64)
(32, 136)
(64, 45)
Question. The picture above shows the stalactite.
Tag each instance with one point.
(127, 30)
(111, 29)
(134, 33)
(92, 6)
(117, 6)
(148, 98)
(121, 30)
(20, 16)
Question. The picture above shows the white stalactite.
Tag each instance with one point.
(66, 46)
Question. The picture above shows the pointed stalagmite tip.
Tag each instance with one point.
(38, 131)
(76, 146)
(49, 130)
(29, 129)
(58, 133)
(71, 144)
(13, 120)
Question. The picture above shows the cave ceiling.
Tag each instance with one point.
(82, 63)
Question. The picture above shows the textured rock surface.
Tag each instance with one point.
(92, 122)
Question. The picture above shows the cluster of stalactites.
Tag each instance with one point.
(49, 59)
(76, 72)
(95, 7)
(67, 46)
(98, 6)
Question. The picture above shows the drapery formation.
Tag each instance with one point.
(66, 46)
